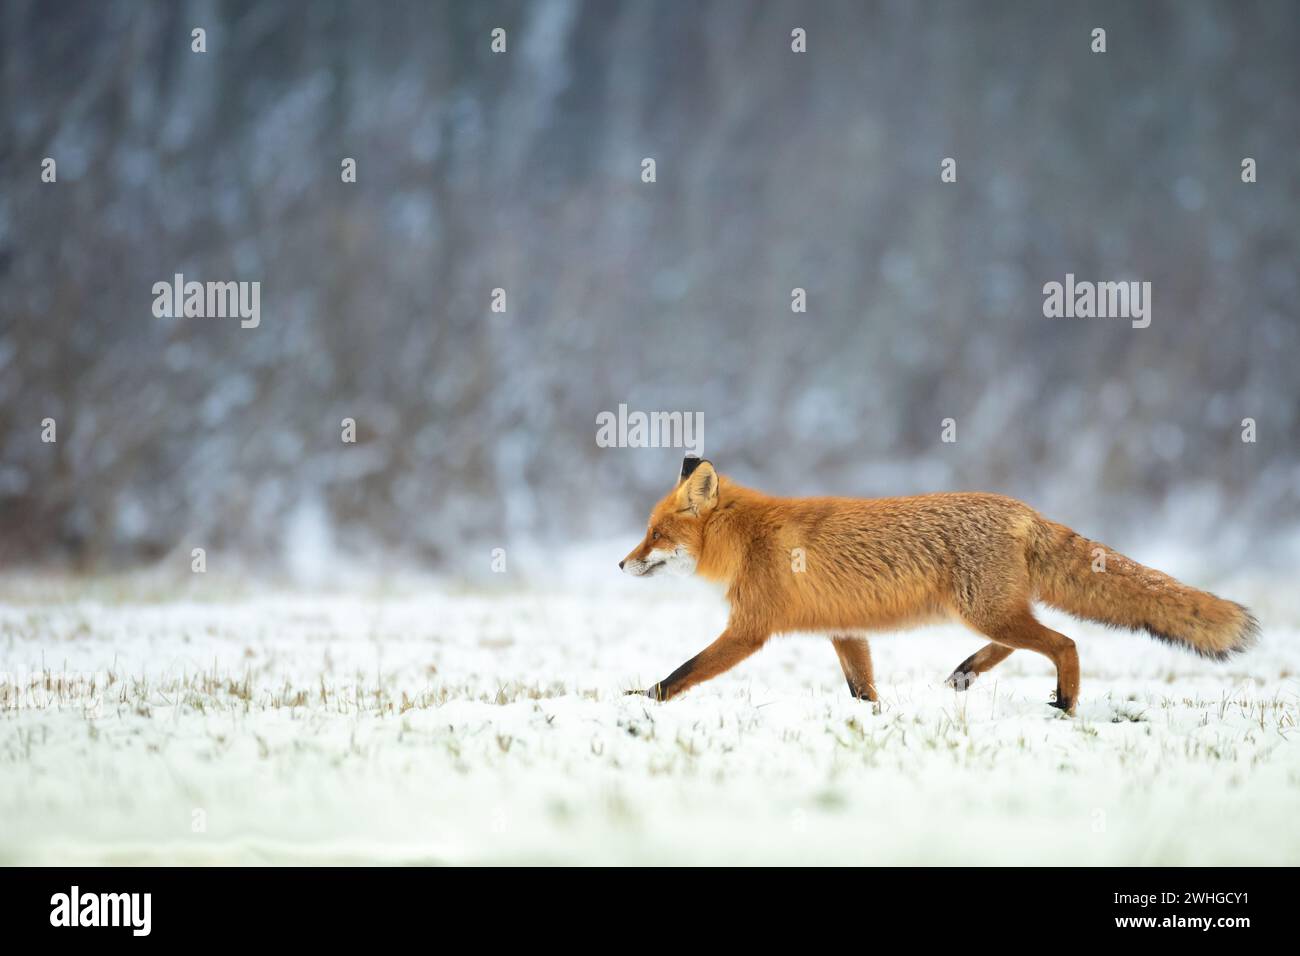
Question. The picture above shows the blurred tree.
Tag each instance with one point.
(521, 171)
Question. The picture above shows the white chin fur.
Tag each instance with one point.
(677, 561)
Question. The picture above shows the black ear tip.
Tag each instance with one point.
(689, 464)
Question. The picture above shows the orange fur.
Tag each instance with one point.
(845, 566)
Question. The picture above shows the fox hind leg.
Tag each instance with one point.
(855, 658)
(1018, 630)
(985, 659)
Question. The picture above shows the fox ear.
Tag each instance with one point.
(697, 491)
(689, 464)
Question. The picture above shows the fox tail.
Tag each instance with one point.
(1088, 580)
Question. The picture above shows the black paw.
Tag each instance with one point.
(961, 679)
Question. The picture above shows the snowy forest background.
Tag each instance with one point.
(522, 171)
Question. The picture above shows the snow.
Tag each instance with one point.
(446, 724)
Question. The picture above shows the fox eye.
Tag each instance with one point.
(654, 536)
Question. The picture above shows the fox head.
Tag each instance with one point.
(675, 533)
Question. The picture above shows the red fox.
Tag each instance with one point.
(848, 566)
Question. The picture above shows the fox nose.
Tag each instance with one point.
(621, 563)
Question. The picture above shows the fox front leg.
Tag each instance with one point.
(720, 656)
(855, 660)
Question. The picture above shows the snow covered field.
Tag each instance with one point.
(453, 726)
